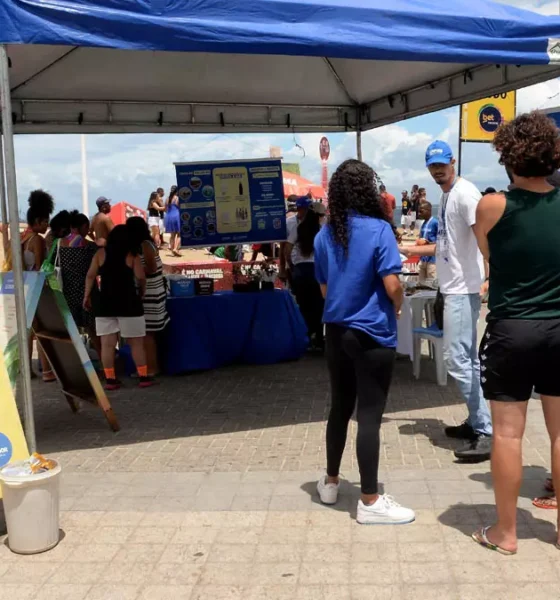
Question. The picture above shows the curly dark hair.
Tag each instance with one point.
(529, 146)
(41, 206)
(354, 187)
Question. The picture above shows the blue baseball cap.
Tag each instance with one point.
(439, 152)
(303, 202)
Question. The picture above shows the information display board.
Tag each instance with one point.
(232, 202)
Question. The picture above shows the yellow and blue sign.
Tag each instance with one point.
(480, 119)
(232, 202)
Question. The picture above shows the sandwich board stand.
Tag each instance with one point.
(49, 317)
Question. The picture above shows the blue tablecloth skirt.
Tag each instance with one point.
(207, 332)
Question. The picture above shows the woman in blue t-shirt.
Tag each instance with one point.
(357, 264)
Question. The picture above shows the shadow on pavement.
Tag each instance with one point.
(533, 481)
(467, 518)
(240, 398)
(433, 429)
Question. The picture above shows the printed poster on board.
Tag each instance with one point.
(12, 440)
(232, 202)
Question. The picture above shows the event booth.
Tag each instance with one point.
(98, 66)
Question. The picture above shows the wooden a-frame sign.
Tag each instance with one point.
(49, 317)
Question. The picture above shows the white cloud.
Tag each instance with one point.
(545, 7)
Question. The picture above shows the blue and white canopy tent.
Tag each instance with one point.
(112, 66)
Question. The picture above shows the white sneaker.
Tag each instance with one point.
(384, 512)
(328, 492)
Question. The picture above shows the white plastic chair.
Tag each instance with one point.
(434, 336)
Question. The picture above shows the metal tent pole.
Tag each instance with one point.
(359, 133)
(17, 260)
(3, 207)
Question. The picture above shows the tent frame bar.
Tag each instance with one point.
(17, 258)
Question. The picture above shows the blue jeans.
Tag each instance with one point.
(460, 352)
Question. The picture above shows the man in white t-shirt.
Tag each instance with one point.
(303, 203)
(461, 275)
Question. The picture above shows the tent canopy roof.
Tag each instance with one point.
(261, 65)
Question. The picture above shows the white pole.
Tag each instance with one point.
(85, 199)
(17, 260)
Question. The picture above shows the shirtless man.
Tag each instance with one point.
(101, 224)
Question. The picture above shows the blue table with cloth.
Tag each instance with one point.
(207, 332)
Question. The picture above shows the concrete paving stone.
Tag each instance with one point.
(430, 592)
(93, 553)
(415, 532)
(326, 591)
(80, 519)
(419, 552)
(93, 503)
(186, 553)
(152, 535)
(370, 534)
(382, 573)
(231, 553)
(113, 592)
(77, 573)
(479, 572)
(110, 535)
(281, 553)
(282, 535)
(271, 592)
(18, 591)
(476, 591)
(277, 573)
(318, 573)
(218, 592)
(53, 591)
(416, 573)
(543, 571)
(28, 572)
(176, 574)
(178, 504)
(139, 553)
(237, 574)
(166, 592)
(376, 592)
(127, 573)
(333, 553)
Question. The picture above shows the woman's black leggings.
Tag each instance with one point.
(359, 368)
(309, 298)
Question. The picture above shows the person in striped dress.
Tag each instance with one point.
(155, 310)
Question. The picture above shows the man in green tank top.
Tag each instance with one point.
(517, 232)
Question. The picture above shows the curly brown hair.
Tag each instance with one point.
(529, 146)
(354, 187)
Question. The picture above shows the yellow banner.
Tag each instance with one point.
(480, 119)
(12, 440)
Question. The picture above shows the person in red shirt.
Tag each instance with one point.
(388, 202)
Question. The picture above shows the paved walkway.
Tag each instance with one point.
(207, 493)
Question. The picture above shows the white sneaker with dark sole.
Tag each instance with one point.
(386, 511)
(328, 492)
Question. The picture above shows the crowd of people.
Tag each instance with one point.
(111, 276)
(344, 271)
(503, 244)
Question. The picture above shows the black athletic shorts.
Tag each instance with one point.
(517, 355)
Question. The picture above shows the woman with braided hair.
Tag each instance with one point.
(357, 264)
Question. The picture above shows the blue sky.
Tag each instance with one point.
(129, 167)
